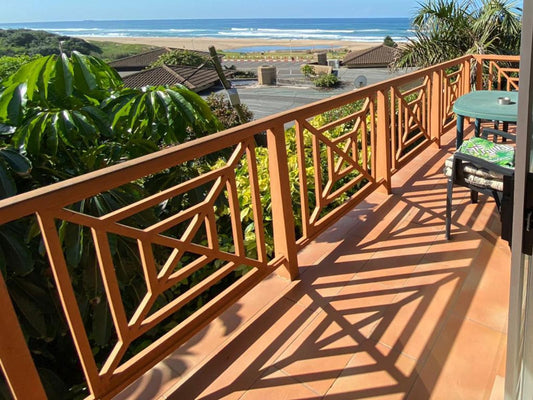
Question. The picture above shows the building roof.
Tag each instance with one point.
(196, 79)
(375, 56)
(143, 60)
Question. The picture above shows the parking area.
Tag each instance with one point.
(293, 90)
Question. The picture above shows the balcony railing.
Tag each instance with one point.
(330, 159)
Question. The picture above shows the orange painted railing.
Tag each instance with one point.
(339, 150)
(495, 72)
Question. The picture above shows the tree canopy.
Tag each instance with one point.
(446, 29)
(31, 42)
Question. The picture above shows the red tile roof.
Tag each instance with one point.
(375, 56)
(143, 60)
(196, 79)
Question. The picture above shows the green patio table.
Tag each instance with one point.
(483, 104)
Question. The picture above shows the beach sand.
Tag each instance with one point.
(203, 43)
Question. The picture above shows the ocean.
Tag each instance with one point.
(349, 29)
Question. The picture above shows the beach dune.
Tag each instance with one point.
(203, 43)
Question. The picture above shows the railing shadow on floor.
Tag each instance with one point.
(357, 330)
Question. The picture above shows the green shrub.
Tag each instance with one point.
(388, 41)
(10, 65)
(182, 57)
(307, 70)
(326, 80)
(223, 110)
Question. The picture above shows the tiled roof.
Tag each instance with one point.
(196, 79)
(379, 55)
(143, 60)
(139, 60)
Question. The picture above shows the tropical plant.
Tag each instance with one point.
(446, 29)
(62, 117)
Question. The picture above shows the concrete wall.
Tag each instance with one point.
(266, 75)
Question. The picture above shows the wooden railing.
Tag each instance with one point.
(339, 150)
(496, 72)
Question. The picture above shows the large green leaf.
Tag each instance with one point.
(63, 76)
(100, 120)
(16, 252)
(7, 184)
(83, 77)
(12, 104)
(16, 161)
(30, 74)
(102, 324)
(28, 307)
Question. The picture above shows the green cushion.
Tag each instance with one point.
(500, 154)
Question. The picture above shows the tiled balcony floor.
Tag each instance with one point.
(385, 308)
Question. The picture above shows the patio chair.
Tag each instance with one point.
(480, 165)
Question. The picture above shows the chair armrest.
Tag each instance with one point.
(496, 132)
(480, 163)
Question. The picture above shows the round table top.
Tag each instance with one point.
(483, 104)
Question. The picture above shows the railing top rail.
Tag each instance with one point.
(497, 57)
(75, 189)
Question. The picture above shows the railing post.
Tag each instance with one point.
(479, 72)
(383, 145)
(467, 69)
(436, 118)
(282, 213)
(15, 358)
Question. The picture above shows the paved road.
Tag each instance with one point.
(268, 100)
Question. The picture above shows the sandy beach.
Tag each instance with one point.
(203, 43)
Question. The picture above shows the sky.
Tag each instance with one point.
(75, 10)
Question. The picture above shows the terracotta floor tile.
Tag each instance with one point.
(362, 303)
(211, 337)
(246, 357)
(165, 374)
(375, 372)
(461, 364)
(417, 314)
(320, 353)
(280, 386)
(151, 385)
(463, 246)
(329, 276)
(399, 255)
(485, 296)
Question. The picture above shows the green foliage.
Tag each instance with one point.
(110, 51)
(182, 57)
(72, 115)
(307, 70)
(244, 74)
(29, 42)
(447, 29)
(62, 117)
(225, 113)
(326, 80)
(10, 65)
(388, 41)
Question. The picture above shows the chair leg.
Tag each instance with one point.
(473, 196)
(449, 192)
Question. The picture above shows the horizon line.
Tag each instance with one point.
(188, 19)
